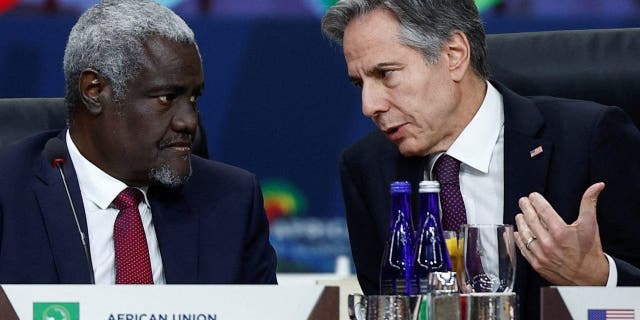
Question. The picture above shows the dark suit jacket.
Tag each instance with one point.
(213, 231)
(582, 143)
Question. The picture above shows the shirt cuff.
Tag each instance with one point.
(612, 281)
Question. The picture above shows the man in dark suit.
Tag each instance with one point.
(152, 212)
(422, 69)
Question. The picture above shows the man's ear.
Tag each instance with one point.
(91, 85)
(458, 53)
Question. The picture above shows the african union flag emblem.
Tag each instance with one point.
(56, 311)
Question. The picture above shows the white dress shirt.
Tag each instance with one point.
(98, 191)
(480, 149)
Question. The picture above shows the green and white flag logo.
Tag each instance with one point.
(56, 311)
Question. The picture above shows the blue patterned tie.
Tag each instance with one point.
(447, 171)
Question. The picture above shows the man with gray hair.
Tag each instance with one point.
(151, 211)
(422, 69)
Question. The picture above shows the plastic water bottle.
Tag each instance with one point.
(431, 254)
(396, 272)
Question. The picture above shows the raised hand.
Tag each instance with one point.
(563, 254)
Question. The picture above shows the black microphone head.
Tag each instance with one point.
(55, 152)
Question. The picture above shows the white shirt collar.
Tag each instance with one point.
(96, 185)
(474, 146)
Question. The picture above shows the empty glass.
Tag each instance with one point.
(488, 258)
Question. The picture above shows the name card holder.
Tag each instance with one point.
(168, 302)
(560, 303)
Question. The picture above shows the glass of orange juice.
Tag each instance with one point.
(455, 252)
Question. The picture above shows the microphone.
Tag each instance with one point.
(55, 153)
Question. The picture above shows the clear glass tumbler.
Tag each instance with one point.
(488, 258)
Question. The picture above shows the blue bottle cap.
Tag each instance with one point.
(428, 186)
(400, 186)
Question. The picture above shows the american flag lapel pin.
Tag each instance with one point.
(535, 152)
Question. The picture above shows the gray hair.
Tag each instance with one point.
(110, 38)
(424, 25)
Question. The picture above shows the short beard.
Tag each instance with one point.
(167, 177)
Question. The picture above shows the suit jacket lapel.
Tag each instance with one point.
(523, 172)
(62, 232)
(177, 232)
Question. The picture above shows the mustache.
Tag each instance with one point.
(179, 138)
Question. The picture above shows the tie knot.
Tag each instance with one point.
(128, 198)
(447, 169)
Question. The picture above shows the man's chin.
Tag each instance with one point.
(169, 177)
(410, 150)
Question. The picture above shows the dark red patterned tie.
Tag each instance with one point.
(133, 265)
(447, 171)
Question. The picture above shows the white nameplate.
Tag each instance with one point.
(601, 302)
(166, 302)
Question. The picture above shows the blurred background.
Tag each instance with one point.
(277, 99)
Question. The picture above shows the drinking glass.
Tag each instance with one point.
(488, 258)
(455, 251)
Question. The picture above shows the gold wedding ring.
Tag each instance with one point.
(529, 241)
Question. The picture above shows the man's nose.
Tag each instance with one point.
(186, 117)
(373, 100)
